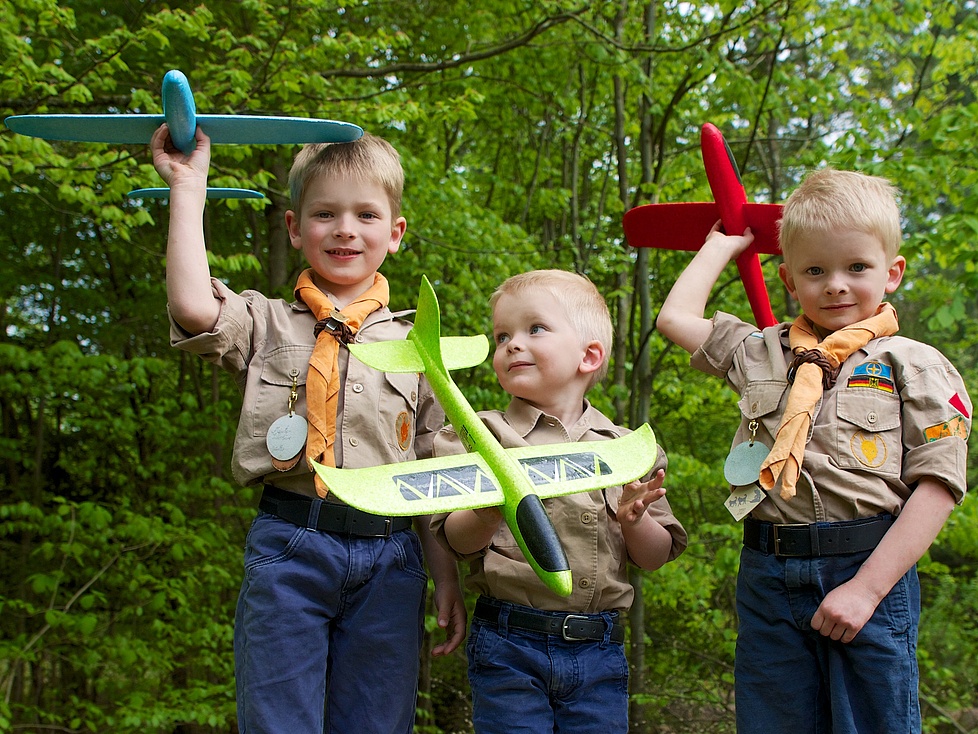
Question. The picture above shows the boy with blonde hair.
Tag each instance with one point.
(537, 661)
(331, 609)
(867, 434)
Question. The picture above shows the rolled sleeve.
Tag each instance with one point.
(222, 345)
(935, 429)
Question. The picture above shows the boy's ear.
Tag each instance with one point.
(785, 275)
(397, 234)
(895, 273)
(292, 225)
(593, 357)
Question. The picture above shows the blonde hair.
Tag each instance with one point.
(368, 158)
(830, 199)
(584, 306)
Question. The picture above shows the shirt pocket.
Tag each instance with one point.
(761, 402)
(399, 409)
(275, 385)
(869, 432)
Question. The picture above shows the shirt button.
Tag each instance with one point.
(354, 441)
(585, 583)
(414, 397)
(753, 408)
(586, 517)
(358, 387)
(872, 417)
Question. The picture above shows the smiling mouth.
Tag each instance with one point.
(342, 252)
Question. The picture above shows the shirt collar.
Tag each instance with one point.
(523, 418)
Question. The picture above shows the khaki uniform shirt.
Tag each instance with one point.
(261, 340)
(585, 522)
(898, 412)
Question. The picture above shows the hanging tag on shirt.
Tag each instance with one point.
(286, 437)
(743, 464)
(744, 499)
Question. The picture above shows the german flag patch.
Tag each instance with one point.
(872, 376)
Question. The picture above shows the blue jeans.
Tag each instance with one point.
(789, 678)
(534, 683)
(325, 618)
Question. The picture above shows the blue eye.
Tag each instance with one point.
(859, 267)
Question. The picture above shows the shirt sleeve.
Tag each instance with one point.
(229, 343)
(936, 424)
(716, 355)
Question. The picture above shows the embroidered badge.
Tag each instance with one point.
(957, 426)
(868, 448)
(402, 427)
(958, 404)
(872, 375)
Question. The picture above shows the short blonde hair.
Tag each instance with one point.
(829, 199)
(368, 158)
(584, 306)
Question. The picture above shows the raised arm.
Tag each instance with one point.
(681, 319)
(188, 277)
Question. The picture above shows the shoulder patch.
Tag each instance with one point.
(957, 426)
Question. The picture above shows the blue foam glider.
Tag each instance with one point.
(180, 115)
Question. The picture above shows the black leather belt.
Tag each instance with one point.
(820, 539)
(327, 516)
(570, 627)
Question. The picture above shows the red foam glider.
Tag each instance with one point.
(685, 226)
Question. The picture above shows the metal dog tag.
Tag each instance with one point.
(743, 464)
(286, 437)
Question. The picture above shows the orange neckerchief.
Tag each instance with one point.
(323, 382)
(815, 367)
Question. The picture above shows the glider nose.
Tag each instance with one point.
(543, 544)
(180, 110)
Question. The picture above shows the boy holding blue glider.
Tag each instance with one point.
(332, 605)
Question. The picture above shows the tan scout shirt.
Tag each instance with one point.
(585, 522)
(261, 340)
(898, 412)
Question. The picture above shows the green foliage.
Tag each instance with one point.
(526, 129)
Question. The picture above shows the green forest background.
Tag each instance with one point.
(527, 129)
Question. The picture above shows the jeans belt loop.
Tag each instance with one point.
(312, 523)
(503, 620)
(813, 539)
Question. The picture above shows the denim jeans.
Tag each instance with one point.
(534, 683)
(789, 678)
(325, 618)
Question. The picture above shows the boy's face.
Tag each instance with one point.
(840, 277)
(345, 230)
(539, 353)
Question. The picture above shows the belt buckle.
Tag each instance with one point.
(388, 524)
(775, 528)
(565, 634)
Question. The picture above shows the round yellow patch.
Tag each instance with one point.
(868, 448)
(402, 427)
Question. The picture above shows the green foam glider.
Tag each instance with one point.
(515, 479)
